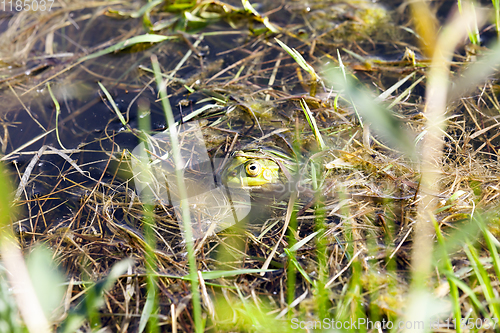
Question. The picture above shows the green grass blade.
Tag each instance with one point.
(473, 37)
(184, 205)
(248, 7)
(490, 242)
(384, 123)
(265, 20)
(298, 59)
(148, 227)
(342, 68)
(149, 38)
(212, 275)
(113, 104)
(469, 292)
(58, 112)
(448, 268)
(147, 311)
(297, 265)
(312, 124)
(483, 278)
(303, 241)
(477, 73)
(496, 5)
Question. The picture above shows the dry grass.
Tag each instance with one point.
(360, 197)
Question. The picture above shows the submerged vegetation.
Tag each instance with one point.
(256, 167)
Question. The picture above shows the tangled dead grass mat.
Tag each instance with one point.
(222, 67)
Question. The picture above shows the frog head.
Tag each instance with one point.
(254, 171)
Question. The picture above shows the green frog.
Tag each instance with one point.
(260, 171)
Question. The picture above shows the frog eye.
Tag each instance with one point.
(253, 169)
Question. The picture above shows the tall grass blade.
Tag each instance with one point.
(58, 112)
(383, 122)
(9, 315)
(312, 123)
(469, 292)
(113, 104)
(483, 278)
(27, 301)
(186, 218)
(496, 6)
(432, 147)
(448, 269)
(477, 73)
(47, 279)
(473, 35)
(343, 70)
(148, 225)
(490, 242)
(147, 310)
